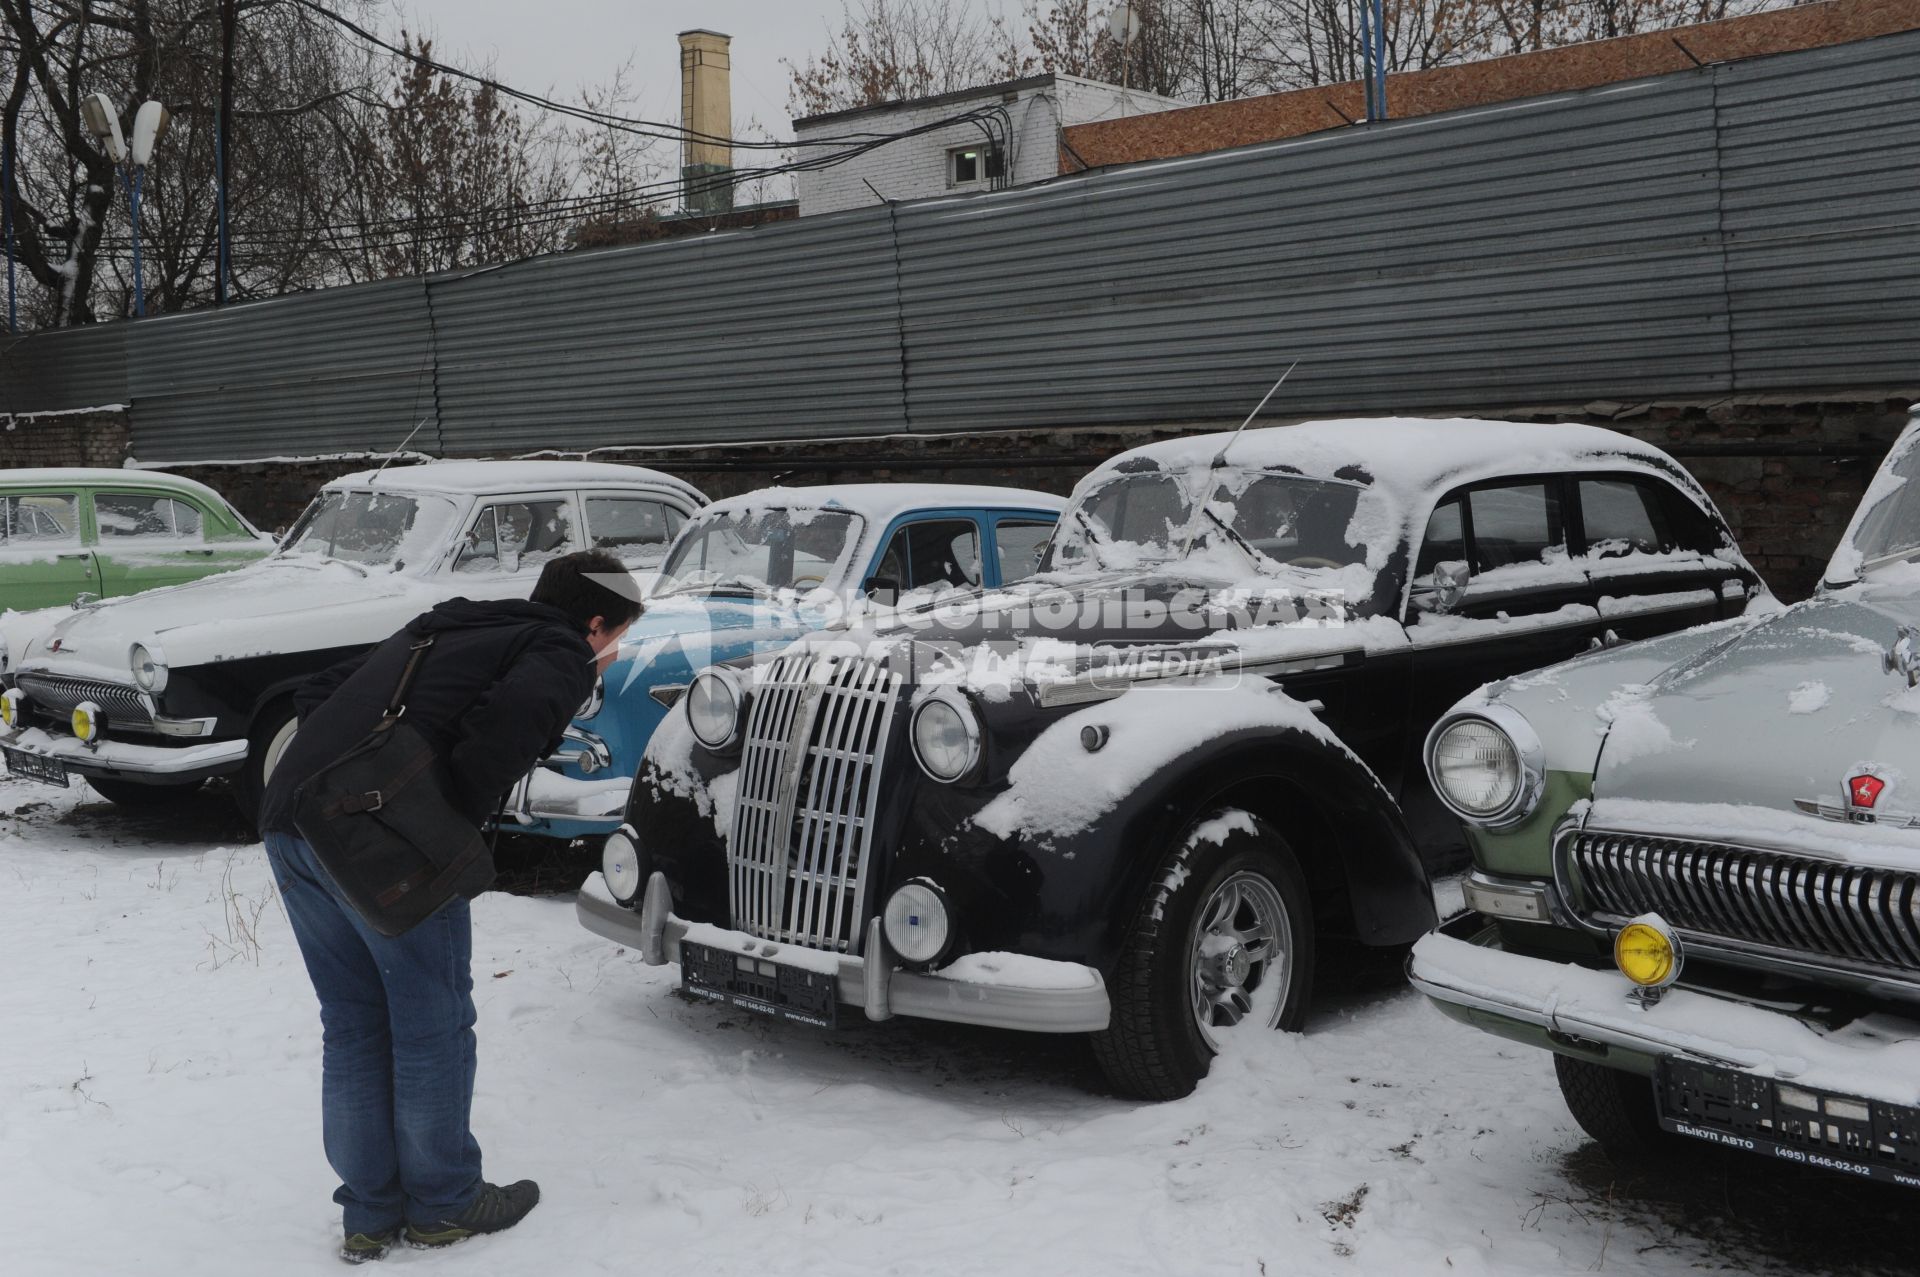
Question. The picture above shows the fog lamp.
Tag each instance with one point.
(620, 865)
(10, 707)
(86, 721)
(916, 921)
(1647, 952)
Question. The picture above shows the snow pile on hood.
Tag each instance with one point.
(1809, 698)
(1146, 726)
(1632, 729)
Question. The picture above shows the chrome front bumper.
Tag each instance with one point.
(1583, 1009)
(1074, 1003)
(124, 758)
(585, 807)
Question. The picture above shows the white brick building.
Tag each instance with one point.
(980, 139)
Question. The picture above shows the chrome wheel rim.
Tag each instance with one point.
(1239, 958)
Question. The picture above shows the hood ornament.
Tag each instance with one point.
(1903, 655)
(1861, 805)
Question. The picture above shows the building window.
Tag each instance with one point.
(973, 165)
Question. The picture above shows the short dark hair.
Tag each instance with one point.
(589, 583)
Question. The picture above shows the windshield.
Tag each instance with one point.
(1889, 530)
(1271, 521)
(373, 529)
(758, 550)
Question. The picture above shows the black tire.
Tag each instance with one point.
(1612, 1106)
(130, 793)
(250, 782)
(1153, 1047)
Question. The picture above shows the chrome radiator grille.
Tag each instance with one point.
(1795, 905)
(59, 695)
(809, 781)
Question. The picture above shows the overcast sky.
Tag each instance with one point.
(562, 44)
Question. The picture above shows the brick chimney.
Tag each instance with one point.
(706, 111)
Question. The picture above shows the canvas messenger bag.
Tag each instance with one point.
(379, 822)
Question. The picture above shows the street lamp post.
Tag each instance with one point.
(149, 126)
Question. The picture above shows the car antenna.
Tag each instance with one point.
(423, 421)
(1220, 457)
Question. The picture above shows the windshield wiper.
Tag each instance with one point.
(752, 587)
(1254, 555)
(1094, 537)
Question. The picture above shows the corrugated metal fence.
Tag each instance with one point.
(1748, 228)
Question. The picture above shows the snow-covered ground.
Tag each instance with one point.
(159, 1115)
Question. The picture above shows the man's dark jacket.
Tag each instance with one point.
(496, 690)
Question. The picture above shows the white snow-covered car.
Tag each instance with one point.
(148, 696)
(1697, 868)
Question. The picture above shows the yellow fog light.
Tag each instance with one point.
(1647, 952)
(10, 707)
(86, 721)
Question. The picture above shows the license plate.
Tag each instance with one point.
(757, 984)
(34, 767)
(1868, 1139)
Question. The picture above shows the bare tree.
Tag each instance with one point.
(889, 49)
(446, 175)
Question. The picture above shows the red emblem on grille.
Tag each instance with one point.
(1865, 790)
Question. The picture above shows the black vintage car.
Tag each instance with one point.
(1130, 796)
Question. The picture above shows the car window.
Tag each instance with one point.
(1019, 543)
(1514, 524)
(1445, 541)
(39, 518)
(636, 530)
(516, 536)
(933, 552)
(1622, 517)
(123, 516)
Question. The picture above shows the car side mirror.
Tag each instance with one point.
(883, 590)
(1447, 588)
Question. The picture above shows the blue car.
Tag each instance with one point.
(751, 574)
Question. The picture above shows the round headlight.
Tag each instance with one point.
(86, 721)
(1476, 767)
(1647, 952)
(620, 866)
(946, 735)
(713, 708)
(1487, 765)
(916, 921)
(10, 707)
(149, 666)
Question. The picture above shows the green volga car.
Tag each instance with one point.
(1697, 867)
(104, 533)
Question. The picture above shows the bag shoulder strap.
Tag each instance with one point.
(397, 704)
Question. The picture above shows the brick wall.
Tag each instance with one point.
(1786, 474)
(91, 437)
(1246, 121)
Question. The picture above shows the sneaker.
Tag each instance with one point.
(495, 1209)
(361, 1248)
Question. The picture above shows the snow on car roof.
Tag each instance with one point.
(1407, 455)
(512, 476)
(105, 476)
(882, 502)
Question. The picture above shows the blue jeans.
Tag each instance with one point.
(397, 1050)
